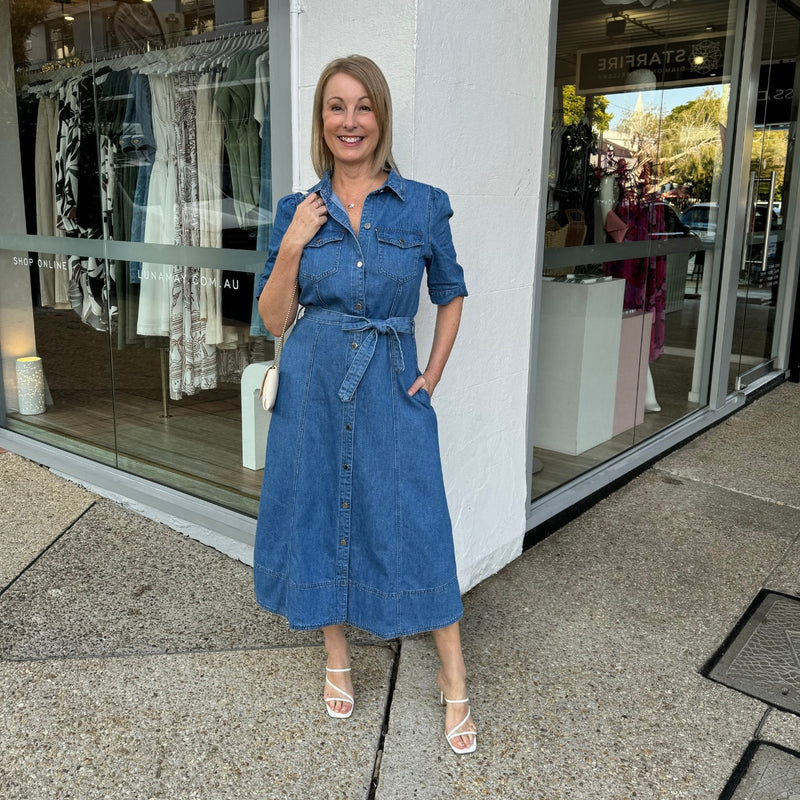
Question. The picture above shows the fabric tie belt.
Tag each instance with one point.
(392, 327)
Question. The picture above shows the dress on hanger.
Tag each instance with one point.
(192, 361)
(160, 224)
(645, 278)
(210, 134)
(53, 283)
(77, 194)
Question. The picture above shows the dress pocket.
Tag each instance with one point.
(399, 253)
(321, 255)
(422, 397)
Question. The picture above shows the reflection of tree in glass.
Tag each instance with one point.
(574, 106)
(685, 144)
(769, 153)
(25, 15)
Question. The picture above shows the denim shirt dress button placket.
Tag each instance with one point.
(353, 524)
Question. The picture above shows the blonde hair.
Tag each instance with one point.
(368, 73)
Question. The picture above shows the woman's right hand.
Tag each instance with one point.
(309, 216)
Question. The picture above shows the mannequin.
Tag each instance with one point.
(650, 402)
(606, 200)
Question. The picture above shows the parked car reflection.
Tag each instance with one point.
(701, 218)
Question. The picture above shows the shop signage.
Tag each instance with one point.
(42, 263)
(198, 279)
(663, 63)
(775, 93)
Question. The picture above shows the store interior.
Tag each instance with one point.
(641, 110)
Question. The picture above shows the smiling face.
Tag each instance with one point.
(349, 126)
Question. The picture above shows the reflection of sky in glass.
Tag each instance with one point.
(621, 102)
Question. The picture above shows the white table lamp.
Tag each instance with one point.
(30, 385)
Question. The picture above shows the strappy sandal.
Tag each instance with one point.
(457, 730)
(346, 698)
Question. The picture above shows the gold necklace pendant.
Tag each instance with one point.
(350, 206)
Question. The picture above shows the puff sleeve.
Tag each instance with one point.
(284, 215)
(445, 275)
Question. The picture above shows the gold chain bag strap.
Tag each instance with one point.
(269, 383)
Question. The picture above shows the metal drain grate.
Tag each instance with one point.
(761, 657)
(767, 772)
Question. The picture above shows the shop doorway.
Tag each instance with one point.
(763, 271)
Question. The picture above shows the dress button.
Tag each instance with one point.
(358, 306)
(343, 542)
(359, 264)
(347, 466)
(344, 505)
(354, 345)
(348, 427)
(367, 226)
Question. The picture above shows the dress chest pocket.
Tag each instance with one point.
(399, 253)
(321, 255)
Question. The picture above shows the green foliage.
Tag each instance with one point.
(685, 145)
(769, 153)
(25, 15)
(574, 106)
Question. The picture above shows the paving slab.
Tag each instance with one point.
(785, 577)
(783, 728)
(35, 508)
(767, 772)
(212, 726)
(584, 656)
(118, 583)
(754, 451)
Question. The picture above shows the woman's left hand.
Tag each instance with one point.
(425, 382)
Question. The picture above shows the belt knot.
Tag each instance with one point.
(393, 327)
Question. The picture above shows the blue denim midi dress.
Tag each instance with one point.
(353, 523)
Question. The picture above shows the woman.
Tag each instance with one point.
(353, 524)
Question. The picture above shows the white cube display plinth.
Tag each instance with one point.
(578, 359)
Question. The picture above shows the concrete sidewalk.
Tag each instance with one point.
(134, 662)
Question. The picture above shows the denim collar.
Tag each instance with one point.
(394, 181)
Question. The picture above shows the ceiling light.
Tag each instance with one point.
(615, 27)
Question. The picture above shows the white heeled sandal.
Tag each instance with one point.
(345, 698)
(457, 730)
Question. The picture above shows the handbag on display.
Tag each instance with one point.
(615, 227)
(269, 383)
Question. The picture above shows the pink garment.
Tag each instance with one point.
(645, 278)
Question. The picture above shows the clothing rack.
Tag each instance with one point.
(252, 30)
(261, 30)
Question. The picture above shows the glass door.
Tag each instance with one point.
(769, 200)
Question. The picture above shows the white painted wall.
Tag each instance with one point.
(468, 87)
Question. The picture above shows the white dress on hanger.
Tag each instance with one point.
(53, 279)
(160, 224)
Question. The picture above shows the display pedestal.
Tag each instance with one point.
(255, 421)
(634, 357)
(578, 359)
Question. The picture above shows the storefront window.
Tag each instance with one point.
(633, 235)
(146, 180)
